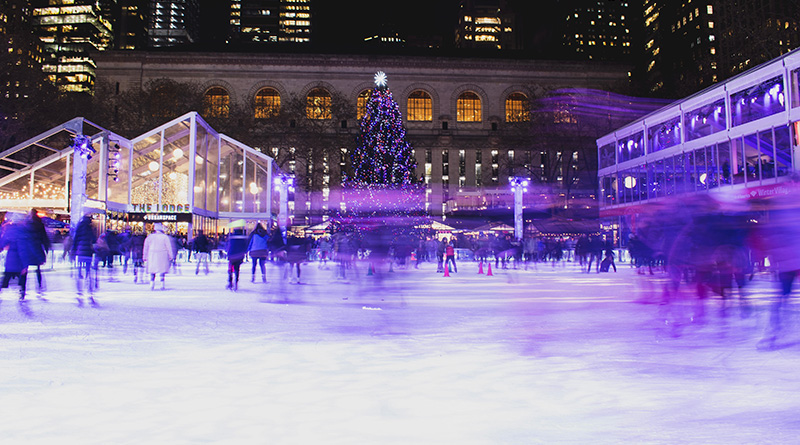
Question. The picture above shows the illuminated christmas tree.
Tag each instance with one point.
(383, 188)
(383, 156)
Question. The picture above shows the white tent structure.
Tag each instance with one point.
(180, 172)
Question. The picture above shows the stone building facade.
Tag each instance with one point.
(467, 119)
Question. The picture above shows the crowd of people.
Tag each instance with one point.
(703, 247)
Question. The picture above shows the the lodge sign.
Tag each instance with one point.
(152, 213)
(155, 208)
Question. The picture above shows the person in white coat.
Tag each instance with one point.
(158, 254)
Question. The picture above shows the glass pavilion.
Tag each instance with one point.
(182, 173)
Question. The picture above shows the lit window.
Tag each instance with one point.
(361, 103)
(268, 103)
(517, 108)
(420, 106)
(318, 104)
(216, 102)
(468, 107)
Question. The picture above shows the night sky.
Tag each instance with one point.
(340, 26)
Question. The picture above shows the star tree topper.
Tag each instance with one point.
(380, 79)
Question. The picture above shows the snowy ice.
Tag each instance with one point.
(544, 355)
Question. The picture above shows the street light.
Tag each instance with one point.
(82, 152)
(284, 182)
(518, 185)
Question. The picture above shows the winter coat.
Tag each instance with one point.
(297, 250)
(276, 242)
(137, 246)
(259, 245)
(201, 244)
(17, 238)
(40, 240)
(237, 247)
(83, 240)
(158, 253)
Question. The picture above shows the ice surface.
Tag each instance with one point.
(550, 355)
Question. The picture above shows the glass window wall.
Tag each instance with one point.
(762, 100)
(631, 147)
(783, 151)
(664, 135)
(705, 120)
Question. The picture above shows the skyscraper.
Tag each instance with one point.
(173, 23)
(692, 45)
(270, 21)
(598, 30)
(753, 32)
(487, 24)
(69, 30)
(681, 47)
(21, 56)
(130, 26)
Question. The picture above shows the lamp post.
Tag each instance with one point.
(283, 182)
(83, 151)
(518, 185)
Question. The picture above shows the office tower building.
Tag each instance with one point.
(69, 30)
(753, 32)
(598, 30)
(21, 56)
(173, 23)
(270, 21)
(487, 24)
(130, 24)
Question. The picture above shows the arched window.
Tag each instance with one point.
(420, 106)
(216, 102)
(164, 103)
(267, 103)
(318, 104)
(361, 103)
(468, 107)
(517, 108)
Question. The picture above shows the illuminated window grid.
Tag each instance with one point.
(216, 102)
(468, 107)
(361, 103)
(267, 103)
(318, 104)
(517, 108)
(420, 106)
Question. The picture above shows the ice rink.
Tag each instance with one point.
(546, 355)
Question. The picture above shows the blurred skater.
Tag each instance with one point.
(41, 245)
(202, 248)
(159, 254)
(18, 241)
(258, 249)
(236, 250)
(83, 250)
(450, 255)
(137, 257)
(781, 238)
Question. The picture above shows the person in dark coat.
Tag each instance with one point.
(258, 249)
(137, 256)
(41, 245)
(297, 249)
(18, 242)
(237, 248)
(83, 249)
(202, 248)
